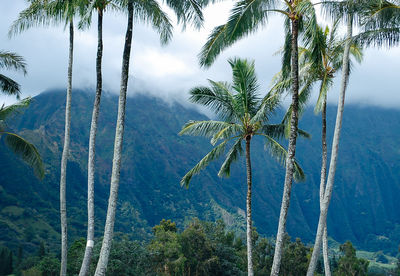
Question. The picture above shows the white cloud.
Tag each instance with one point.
(170, 71)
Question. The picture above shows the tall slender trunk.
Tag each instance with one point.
(119, 133)
(291, 152)
(65, 153)
(322, 187)
(248, 211)
(92, 150)
(334, 155)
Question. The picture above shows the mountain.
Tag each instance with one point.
(364, 206)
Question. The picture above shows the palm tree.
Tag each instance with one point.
(45, 13)
(100, 6)
(319, 63)
(331, 61)
(243, 115)
(346, 10)
(187, 12)
(246, 17)
(147, 11)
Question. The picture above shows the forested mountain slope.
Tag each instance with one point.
(366, 198)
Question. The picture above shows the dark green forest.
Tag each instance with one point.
(202, 248)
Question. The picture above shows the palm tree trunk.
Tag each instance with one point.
(291, 152)
(334, 154)
(327, 268)
(322, 188)
(64, 158)
(92, 150)
(248, 211)
(119, 133)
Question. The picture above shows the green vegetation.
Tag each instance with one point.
(201, 248)
(27, 219)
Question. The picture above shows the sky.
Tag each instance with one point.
(171, 71)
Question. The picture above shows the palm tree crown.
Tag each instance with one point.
(243, 113)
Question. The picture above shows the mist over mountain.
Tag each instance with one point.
(365, 203)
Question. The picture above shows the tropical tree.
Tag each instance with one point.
(331, 55)
(245, 18)
(150, 12)
(45, 13)
(18, 144)
(187, 12)
(243, 115)
(100, 6)
(345, 10)
(319, 63)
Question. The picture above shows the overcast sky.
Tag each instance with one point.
(170, 71)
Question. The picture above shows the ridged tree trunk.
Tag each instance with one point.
(119, 133)
(322, 188)
(248, 211)
(334, 155)
(92, 150)
(65, 154)
(291, 152)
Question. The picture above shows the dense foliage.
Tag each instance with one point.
(201, 248)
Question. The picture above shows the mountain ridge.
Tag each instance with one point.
(155, 158)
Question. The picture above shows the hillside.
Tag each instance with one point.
(364, 206)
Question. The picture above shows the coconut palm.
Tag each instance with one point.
(319, 63)
(243, 114)
(148, 12)
(187, 12)
(45, 13)
(348, 11)
(331, 62)
(100, 6)
(18, 144)
(245, 18)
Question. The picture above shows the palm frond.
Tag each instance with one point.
(277, 131)
(280, 154)
(150, 12)
(212, 155)
(228, 132)
(26, 151)
(9, 86)
(217, 98)
(44, 13)
(245, 18)
(384, 37)
(9, 60)
(246, 86)
(204, 128)
(269, 104)
(6, 111)
(232, 156)
(326, 84)
(187, 12)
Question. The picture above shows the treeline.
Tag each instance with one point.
(202, 248)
